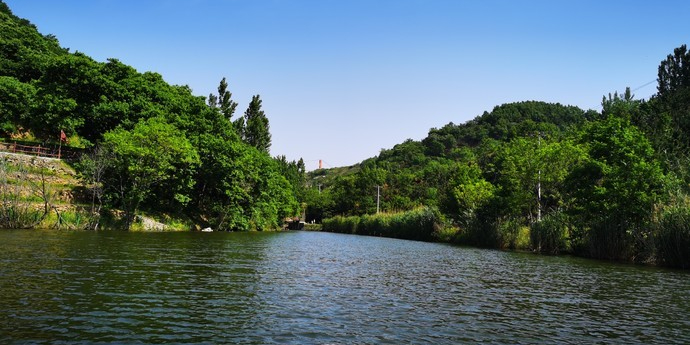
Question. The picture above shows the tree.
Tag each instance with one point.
(69, 87)
(225, 103)
(213, 101)
(256, 129)
(301, 168)
(667, 116)
(470, 191)
(674, 72)
(16, 99)
(614, 188)
(294, 172)
(154, 152)
(92, 168)
(241, 188)
(530, 173)
(621, 105)
(240, 127)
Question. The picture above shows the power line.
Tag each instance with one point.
(633, 90)
(639, 87)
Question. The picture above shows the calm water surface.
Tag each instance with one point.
(320, 288)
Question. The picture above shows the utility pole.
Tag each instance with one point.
(378, 198)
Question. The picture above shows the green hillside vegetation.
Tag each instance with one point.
(35, 192)
(153, 147)
(549, 178)
(543, 177)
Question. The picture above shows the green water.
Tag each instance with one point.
(321, 288)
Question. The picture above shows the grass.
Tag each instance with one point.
(672, 237)
(313, 227)
(422, 223)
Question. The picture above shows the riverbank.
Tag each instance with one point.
(668, 240)
(422, 224)
(46, 193)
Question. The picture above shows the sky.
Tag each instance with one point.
(341, 80)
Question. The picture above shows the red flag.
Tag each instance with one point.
(63, 136)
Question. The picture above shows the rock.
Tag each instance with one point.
(150, 224)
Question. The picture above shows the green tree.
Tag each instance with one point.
(23, 50)
(319, 203)
(240, 188)
(16, 100)
(674, 72)
(531, 173)
(154, 152)
(614, 188)
(621, 105)
(255, 131)
(240, 128)
(294, 172)
(470, 191)
(666, 118)
(367, 181)
(225, 103)
(213, 101)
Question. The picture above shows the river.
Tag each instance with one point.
(321, 288)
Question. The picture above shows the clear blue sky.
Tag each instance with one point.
(342, 79)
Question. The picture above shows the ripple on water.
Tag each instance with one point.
(318, 288)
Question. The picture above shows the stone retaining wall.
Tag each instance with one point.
(52, 164)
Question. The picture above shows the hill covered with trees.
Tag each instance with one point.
(544, 177)
(152, 146)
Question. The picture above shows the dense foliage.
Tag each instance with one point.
(419, 224)
(158, 147)
(545, 177)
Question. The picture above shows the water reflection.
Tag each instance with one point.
(116, 287)
(300, 287)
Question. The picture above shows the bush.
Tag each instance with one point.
(551, 234)
(446, 233)
(673, 238)
(341, 224)
(418, 224)
(513, 235)
(482, 232)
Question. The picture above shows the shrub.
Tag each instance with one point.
(482, 232)
(673, 238)
(341, 224)
(550, 235)
(419, 224)
(513, 234)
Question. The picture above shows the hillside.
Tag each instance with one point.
(502, 124)
(36, 191)
(153, 147)
(543, 177)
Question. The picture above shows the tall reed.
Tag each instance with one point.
(418, 224)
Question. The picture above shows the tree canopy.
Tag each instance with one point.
(168, 150)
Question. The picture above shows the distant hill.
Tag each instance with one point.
(506, 122)
(503, 123)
